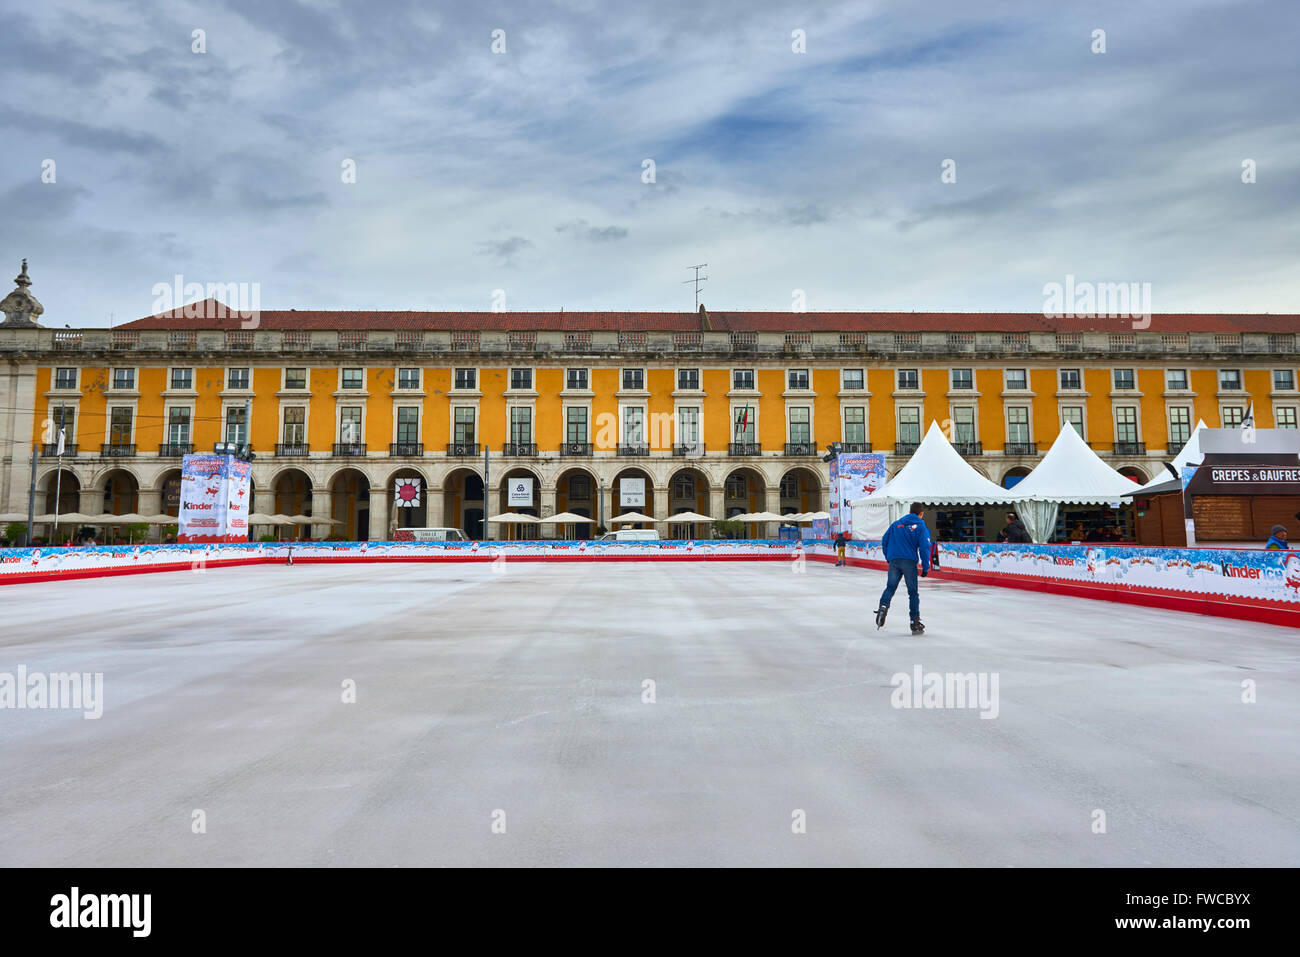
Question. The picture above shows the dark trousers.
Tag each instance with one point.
(905, 569)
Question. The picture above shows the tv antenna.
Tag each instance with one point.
(697, 280)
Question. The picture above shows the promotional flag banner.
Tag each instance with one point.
(406, 493)
(521, 492)
(214, 499)
(854, 475)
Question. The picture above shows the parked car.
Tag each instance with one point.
(630, 535)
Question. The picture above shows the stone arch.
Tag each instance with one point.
(168, 485)
(616, 491)
(745, 490)
(1013, 475)
(463, 501)
(66, 488)
(291, 488)
(121, 488)
(1133, 472)
(801, 490)
(349, 489)
(518, 530)
(577, 490)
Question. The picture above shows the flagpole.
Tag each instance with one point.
(58, 481)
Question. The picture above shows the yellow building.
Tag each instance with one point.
(715, 412)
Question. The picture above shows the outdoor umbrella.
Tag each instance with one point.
(687, 517)
(630, 517)
(564, 518)
(505, 518)
(13, 516)
(161, 519)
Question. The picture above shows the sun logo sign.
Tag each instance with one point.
(407, 493)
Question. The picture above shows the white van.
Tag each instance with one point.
(630, 535)
(434, 534)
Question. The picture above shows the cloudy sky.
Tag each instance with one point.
(524, 170)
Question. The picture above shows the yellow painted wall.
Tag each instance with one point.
(881, 427)
(771, 408)
(716, 409)
(993, 425)
(1044, 414)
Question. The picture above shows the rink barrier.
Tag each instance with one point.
(1250, 584)
(1243, 583)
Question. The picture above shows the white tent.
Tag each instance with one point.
(1190, 455)
(936, 474)
(1069, 472)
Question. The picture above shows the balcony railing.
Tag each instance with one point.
(578, 449)
(174, 450)
(52, 451)
(688, 449)
(969, 448)
(1130, 448)
(292, 449)
(855, 446)
(461, 450)
(116, 450)
(408, 449)
(1020, 448)
(350, 450)
(521, 449)
(801, 448)
(906, 448)
(633, 449)
(744, 448)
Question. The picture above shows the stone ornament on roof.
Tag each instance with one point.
(20, 307)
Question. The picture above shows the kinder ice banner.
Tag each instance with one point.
(214, 499)
(854, 475)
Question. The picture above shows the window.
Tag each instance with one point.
(855, 425)
(576, 379)
(853, 379)
(633, 379)
(683, 485)
(790, 486)
(688, 426)
(1180, 426)
(236, 425)
(521, 425)
(123, 378)
(295, 378)
(119, 427)
(238, 379)
(742, 378)
(1018, 425)
(1229, 380)
(575, 426)
(466, 378)
(1017, 379)
(295, 425)
(688, 379)
(908, 379)
(1283, 380)
(1232, 416)
(963, 378)
(350, 425)
(736, 486)
(1285, 417)
(464, 425)
(65, 417)
(408, 425)
(1176, 380)
(521, 378)
(744, 424)
(797, 379)
(353, 379)
(1074, 415)
(1071, 379)
(178, 426)
(65, 378)
(1126, 428)
(580, 487)
(1124, 379)
(408, 378)
(909, 425)
(182, 379)
(633, 425)
(800, 424)
(963, 425)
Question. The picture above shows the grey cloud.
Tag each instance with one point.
(504, 251)
(579, 229)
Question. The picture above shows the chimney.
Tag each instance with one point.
(705, 324)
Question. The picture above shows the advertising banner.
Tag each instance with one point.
(631, 491)
(521, 492)
(406, 493)
(214, 499)
(854, 475)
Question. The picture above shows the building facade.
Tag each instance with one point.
(717, 413)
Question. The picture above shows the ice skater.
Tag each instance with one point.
(906, 542)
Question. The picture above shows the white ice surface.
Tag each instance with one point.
(522, 692)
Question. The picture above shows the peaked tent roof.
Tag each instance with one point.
(938, 475)
(1072, 472)
(1191, 454)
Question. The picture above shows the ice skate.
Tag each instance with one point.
(917, 627)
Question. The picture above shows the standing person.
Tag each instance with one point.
(906, 542)
(841, 543)
(1014, 531)
(1278, 539)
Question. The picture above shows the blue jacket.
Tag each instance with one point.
(1276, 543)
(908, 539)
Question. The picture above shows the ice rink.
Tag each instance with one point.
(515, 700)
